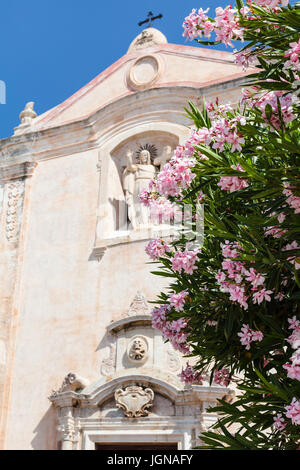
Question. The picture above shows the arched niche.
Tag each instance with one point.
(112, 221)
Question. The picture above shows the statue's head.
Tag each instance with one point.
(145, 157)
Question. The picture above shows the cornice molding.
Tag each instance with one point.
(21, 170)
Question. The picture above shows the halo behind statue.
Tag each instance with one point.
(151, 149)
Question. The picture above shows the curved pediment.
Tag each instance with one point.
(158, 66)
(100, 392)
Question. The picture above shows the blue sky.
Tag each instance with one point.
(51, 48)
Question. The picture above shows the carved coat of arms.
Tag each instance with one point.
(134, 400)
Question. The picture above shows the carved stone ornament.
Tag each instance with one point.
(14, 209)
(139, 305)
(145, 72)
(173, 361)
(108, 363)
(137, 349)
(26, 116)
(149, 37)
(134, 400)
(69, 432)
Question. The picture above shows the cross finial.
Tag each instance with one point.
(150, 19)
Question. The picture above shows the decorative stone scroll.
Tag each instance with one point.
(71, 382)
(134, 400)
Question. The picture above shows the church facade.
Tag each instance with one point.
(80, 365)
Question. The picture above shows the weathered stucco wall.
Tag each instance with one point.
(67, 298)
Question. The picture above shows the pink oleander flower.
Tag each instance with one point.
(163, 211)
(230, 250)
(237, 294)
(293, 201)
(247, 335)
(201, 196)
(279, 422)
(295, 359)
(144, 197)
(157, 248)
(178, 300)
(233, 183)
(276, 232)
(294, 338)
(176, 175)
(227, 25)
(220, 276)
(293, 259)
(244, 11)
(178, 325)
(224, 131)
(273, 230)
(272, 4)
(159, 317)
(245, 58)
(176, 336)
(286, 105)
(294, 323)
(171, 330)
(281, 217)
(221, 377)
(201, 136)
(257, 335)
(185, 261)
(254, 277)
(293, 411)
(293, 371)
(196, 23)
(280, 296)
(179, 342)
(266, 362)
(190, 376)
(261, 295)
(293, 56)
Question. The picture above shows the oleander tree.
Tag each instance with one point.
(233, 304)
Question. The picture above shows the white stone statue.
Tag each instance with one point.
(26, 116)
(135, 178)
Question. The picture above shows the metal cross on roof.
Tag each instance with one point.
(150, 19)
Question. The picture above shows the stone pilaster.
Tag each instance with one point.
(16, 182)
